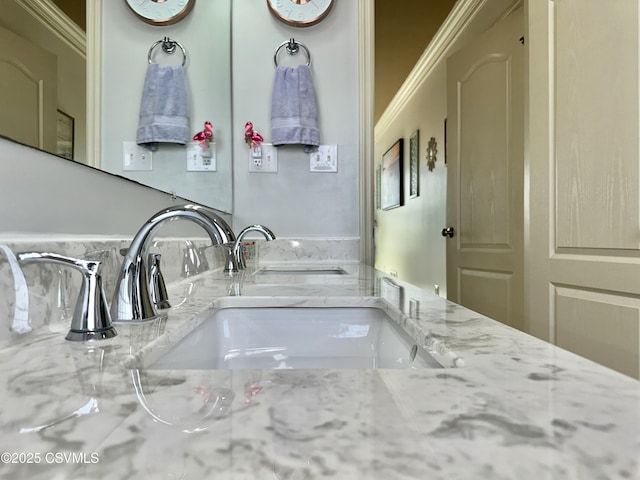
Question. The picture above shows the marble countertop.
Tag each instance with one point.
(519, 408)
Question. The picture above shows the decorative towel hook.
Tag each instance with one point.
(168, 47)
(292, 47)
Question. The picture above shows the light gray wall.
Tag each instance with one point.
(45, 194)
(408, 239)
(205, 35)
(296, 202)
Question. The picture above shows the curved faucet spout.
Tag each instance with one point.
(132, 300)
(238, 262)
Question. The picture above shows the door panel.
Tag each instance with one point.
(477, 285)
(485, 173)
(583, 126)
(596, 85)
(28, 92)
(484, 157)
(579, 326)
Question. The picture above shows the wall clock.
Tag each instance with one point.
(161, 12)
(300, 13)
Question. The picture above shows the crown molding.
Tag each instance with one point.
(55, 20)
(366, 21)
(461, 15)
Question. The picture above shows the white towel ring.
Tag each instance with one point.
(169, 47)
(292, 49)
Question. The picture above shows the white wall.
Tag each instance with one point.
(205, 35)
(294, 201)
(41, 193)
(408, 239)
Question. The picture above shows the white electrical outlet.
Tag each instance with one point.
(265, 160)
(324, 160)
(135, 157)
(199, 159)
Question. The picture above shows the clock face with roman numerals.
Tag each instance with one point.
(161, 12)
(300, 13)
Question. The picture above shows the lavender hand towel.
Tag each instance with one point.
(164, 108)
(294, 119)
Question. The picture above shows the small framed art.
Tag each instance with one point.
(391, 178)
(65, 135)
(414, 173)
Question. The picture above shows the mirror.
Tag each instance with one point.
(60, 125)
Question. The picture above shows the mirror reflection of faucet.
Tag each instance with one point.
(143, 333)
(89, 360)
(235, 286)
(203, 402)
(20, 323)
(194, 260)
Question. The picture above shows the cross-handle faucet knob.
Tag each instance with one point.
(236, 261)
(91, 318)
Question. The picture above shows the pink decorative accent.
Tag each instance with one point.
(203, 392)
(251, 391)
(205, 137)
(251, 137)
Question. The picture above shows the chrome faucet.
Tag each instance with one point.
(157, 285)
(235, 261)
(132, 300)
(91, 319)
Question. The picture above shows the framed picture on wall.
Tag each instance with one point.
(64, 135)
(391, 178)
(378, 185)
(414, 174)
(445, 141)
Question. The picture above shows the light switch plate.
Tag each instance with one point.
(324, 160)
(267, 163)
(199, 159)
(136, 158)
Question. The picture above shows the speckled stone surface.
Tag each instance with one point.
(519, 408)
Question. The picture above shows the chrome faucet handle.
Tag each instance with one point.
(91, 318)
(158, 287)
(230, 263)
(237, 261)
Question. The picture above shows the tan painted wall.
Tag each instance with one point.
(402, 32)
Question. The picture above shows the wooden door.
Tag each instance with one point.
(584, 167)
(485, 173)
(28, 92)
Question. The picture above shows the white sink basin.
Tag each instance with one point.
(297, 337)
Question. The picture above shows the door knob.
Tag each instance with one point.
(448, 232)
